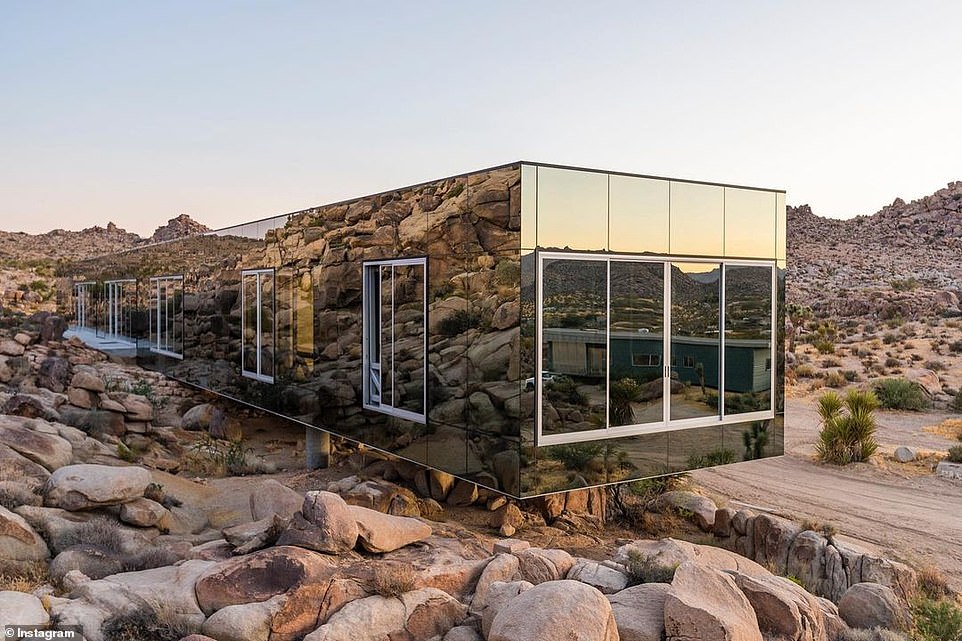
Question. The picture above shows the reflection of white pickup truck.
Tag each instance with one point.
(546, 377)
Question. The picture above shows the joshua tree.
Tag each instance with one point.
(755, 440)
(622, 394)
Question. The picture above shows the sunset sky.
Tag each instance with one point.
(134, 112)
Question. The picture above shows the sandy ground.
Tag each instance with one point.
(902, 511)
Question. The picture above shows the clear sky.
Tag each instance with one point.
(135, 111)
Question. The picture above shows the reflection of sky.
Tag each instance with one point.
(592, 211)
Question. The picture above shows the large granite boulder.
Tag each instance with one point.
(325, 524)
(19, 542)
(260, 576)
(420, 614)
(385, 533)
(86, 486)
(539, 565)
(556, 610)
(783, 609)
(270, 497)
(705, 603)
(30, 438)
(19, 608)
(640, 611)
(870, 605)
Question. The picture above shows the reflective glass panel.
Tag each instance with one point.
(781, 221)
(250, 311)
(387, 337)
(572, 209)
(697, 219)
(749, 223)
(694, 339)
(266, 325)
(636, 390)
(529, 205)
(574, 345)
(638, 214)
(748, 335)
(409, 338)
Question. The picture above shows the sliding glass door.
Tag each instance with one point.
(634, 344)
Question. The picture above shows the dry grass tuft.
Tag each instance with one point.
(393, 579)
(24, 577)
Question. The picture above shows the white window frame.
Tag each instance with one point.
(114, 299)
(82, 303)
(666, 424)
(163, 342)
(370, 303)
(258, 275)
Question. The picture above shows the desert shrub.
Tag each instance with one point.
(715, 457)
(904, 284)
(22, 577)
(824, 346)
(890, 338)
(150, 558)
(937, 620)
(805, 371)
(656, 485)
(835, 379)
(642, 568)
(935, 366)
(955, 347)
(848, 427)
(459, 322)
(142, 624)
(932, 582)
(575, 456)
(900, 394)
(101, 532)
(564, 389)
(393, 579)
(955, 454)
(507, 273)
(916, 358)
(892, 362)
(13, 496)
(850, 375)
(830, 362)
(877, 634)
(225, 456)
(957, 402)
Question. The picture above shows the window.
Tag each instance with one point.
(257, 324)
(166, 316)
(394, 337)
(603, 317)
(81, 293)
(121, 300)
(646, 360)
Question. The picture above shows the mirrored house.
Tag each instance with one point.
(530, 327)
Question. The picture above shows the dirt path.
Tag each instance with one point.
(890, 508)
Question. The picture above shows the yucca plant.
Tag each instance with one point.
(848, 427)
(621, 395)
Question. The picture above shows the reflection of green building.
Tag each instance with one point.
(581, 353)
(435, 321)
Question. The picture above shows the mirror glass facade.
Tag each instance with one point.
(531, 328)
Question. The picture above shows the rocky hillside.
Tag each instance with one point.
(28, 262)
(18, 249)
(179, 227)
(902, 261)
